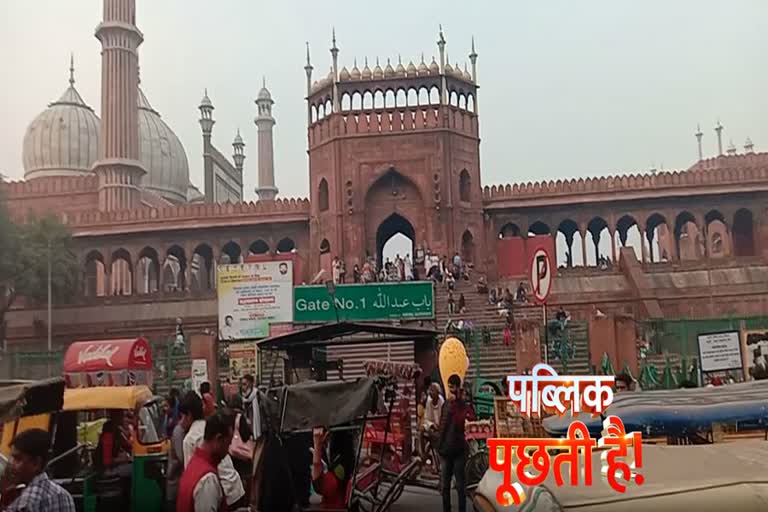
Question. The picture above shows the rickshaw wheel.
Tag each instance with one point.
(476, 467)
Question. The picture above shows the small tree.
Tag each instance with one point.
(25, 251)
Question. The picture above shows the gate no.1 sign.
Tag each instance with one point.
(364, 302)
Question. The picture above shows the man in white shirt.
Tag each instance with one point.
(230, 479)
(432, 412)
(250, 397)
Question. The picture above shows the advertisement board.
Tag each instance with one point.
(412, 300)
(720, 351)
(253, 295)
(242, 361)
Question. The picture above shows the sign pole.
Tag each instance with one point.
(541, 281)
(546, 334)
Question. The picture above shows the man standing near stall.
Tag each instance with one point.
(451, 443)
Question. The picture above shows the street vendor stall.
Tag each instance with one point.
(121, 362)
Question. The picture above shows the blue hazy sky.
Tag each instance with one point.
(568, 88)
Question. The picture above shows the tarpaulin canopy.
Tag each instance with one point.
(28, 398)
(108, 355)
(98, 398)
(677, 410)
(320, 404)
(346, 333)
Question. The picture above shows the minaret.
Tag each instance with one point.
(473, 60)
(719, 130)
(238, 155)
(335, 56)
(118, 168)
(265, 122)
(206, 123)
(443, 85)
(699, 135)
(748, 146)
(308, 69)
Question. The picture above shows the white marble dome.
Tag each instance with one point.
(63, 140)
(162, 155)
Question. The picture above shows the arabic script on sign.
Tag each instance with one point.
(97, 353)
(530, 460)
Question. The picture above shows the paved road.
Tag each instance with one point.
(415, 499)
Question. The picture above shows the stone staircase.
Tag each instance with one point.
(494, 360)
(579, 364)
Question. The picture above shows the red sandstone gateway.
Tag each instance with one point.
(122, 362)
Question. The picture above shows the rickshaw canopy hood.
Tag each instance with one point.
(28, 398)
(106, 397)
(312, 404)
(108, 355)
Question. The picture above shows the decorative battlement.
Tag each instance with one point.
(49, 186)
(396, 120)
(198, 215)
(752, 171)
(743, 160)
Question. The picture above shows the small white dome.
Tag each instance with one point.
(400, 70)
(264, 94)
(423, 69)
(343, 74)
(389, 71)
(63, 140)
(434, 67)
(378, 73)
(355, 73)
(366, 71)
(162, 155)
(411, 71)
(448, 68)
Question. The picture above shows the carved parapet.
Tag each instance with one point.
(202, 214)
(48, 186)
(382, 121)
(742, 169)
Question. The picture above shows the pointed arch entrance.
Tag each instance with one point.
(392, 226)
(393, 205)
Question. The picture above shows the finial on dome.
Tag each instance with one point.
(263, 83)
(71, 69)
(422, 58)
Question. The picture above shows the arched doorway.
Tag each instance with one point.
(393, 205)
(396, 236)
(468, 247)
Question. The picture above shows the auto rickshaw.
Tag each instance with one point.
(74, 466)
(24, 405)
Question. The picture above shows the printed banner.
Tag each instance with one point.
(365, 302)
(252, 296)
(242, 361)
(199, 373)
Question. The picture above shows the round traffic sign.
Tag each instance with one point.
(541, 274)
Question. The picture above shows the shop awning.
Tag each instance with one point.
(346, 333)
(108, 355)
